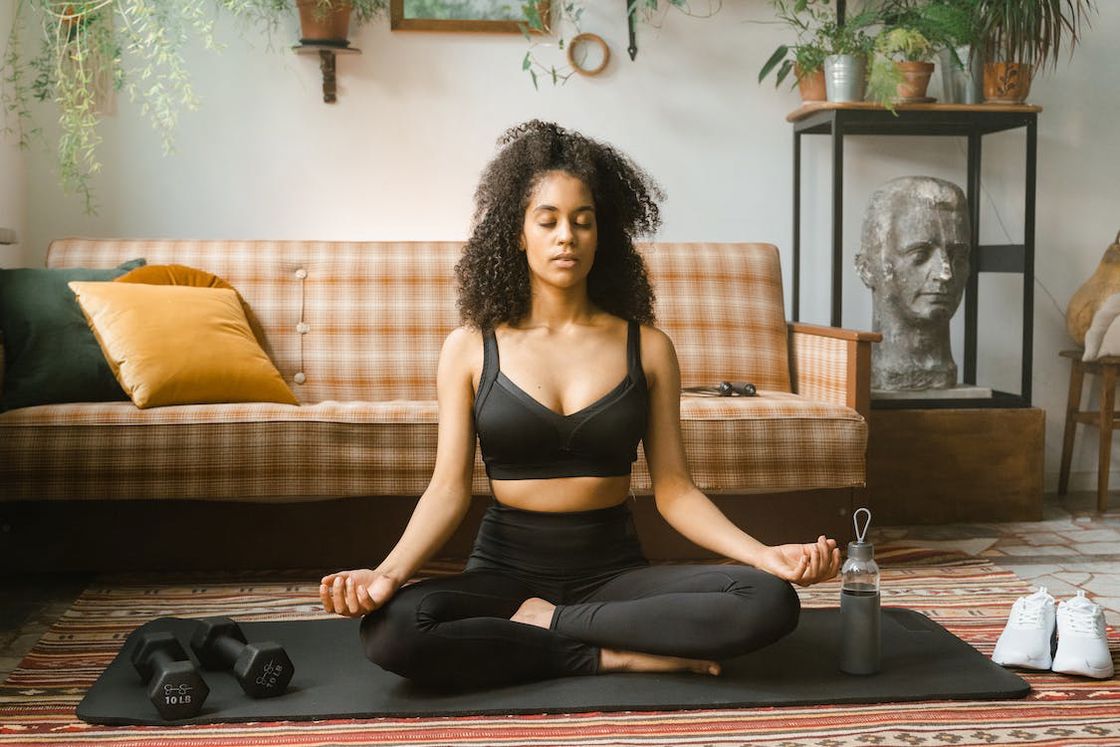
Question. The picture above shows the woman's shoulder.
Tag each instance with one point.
(654, 340)
(461, 337)
(463, 345)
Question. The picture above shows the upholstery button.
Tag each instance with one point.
(301, 273)
(299, 378)
(303, 328)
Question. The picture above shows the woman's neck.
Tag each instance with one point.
(558, 308)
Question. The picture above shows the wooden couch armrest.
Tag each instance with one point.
(832, 364)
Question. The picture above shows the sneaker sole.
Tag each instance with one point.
(1100, 673)
(1040, 666)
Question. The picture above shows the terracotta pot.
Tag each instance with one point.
(1006, 82)
(915, 80)
(317, 25)
(811, 85)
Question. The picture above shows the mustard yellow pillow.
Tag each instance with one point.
(179, 345)
(184, 275)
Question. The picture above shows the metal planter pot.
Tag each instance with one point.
(962, 86)
(845, 77)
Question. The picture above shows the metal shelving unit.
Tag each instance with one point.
(973, 122)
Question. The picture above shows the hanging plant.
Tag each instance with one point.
(88, 48)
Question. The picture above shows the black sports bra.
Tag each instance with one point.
(521, 439)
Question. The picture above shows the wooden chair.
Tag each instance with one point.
(1106, 368)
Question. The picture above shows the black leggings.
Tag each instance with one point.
(455, 631)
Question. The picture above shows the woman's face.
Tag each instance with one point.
(560, 233)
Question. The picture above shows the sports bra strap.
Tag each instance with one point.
(489, 365)
(634, 348)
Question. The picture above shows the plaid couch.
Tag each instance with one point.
(356, 328)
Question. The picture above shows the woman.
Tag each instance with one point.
(556, 583)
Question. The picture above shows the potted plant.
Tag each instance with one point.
(845, 64)
(901, 67)
(953, 28)
(805, 59)
(328, 21)
(1020, 38)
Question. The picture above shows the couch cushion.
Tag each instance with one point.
(195, 278)
(175, 345)
(51, 356)
(721, 304)
(263, 452)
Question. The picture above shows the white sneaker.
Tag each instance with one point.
(1082, 643)
(1028, 638)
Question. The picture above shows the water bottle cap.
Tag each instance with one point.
(861, 551)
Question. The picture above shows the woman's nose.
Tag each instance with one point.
(564, 231)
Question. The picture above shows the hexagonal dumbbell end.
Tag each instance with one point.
(264, 669)
(217, 642)
(176, 688)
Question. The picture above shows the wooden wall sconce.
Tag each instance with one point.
(326, 54)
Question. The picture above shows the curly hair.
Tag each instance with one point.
(493, 273)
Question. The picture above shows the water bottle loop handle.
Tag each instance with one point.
(861, 533)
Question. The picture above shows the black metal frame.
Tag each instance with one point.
(1014, 258)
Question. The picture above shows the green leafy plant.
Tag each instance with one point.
(851, 36)
(806, 18)
(892, 45)
(1032, 32)
(944, 23)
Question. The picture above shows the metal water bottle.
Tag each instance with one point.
(859, 605)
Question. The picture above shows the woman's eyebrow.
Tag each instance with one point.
(555, 209)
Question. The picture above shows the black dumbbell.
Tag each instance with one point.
(742, 388)
(263, 669)
(177, 689)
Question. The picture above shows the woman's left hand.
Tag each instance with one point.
(803, 565)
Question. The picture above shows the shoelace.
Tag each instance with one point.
(1083, 621)
(1026, 615)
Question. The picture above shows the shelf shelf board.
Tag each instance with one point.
(311, 48)
(811, 107)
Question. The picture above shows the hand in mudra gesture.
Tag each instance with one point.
(804, 564)
(356, 593)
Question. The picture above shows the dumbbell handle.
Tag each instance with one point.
(229, 648)
(161, 660)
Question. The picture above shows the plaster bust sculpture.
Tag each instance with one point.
(914, 257)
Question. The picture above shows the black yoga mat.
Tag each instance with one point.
(333, 679)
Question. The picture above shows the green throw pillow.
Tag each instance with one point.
(50, 353)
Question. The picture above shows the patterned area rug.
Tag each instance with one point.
(968, 596)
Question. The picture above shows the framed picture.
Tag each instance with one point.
(503, 16)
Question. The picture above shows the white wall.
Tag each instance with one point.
(417, 115)
(13, 177)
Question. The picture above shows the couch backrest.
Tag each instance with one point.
(374, 314)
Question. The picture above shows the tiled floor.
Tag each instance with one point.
(1072, 547)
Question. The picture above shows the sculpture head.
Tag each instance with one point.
(914, 250)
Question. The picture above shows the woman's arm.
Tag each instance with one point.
(445, 501)
(687, 509)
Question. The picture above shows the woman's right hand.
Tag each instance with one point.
(356, 593)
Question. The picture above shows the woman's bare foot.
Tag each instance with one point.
(535, 611)
(613, 660)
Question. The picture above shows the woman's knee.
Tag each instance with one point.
(770, 609)
(388, 639)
